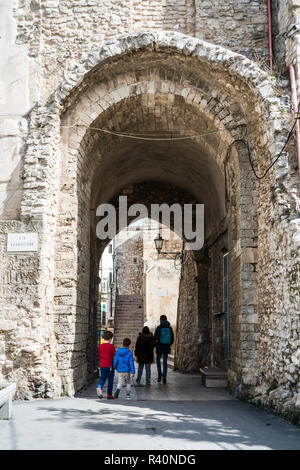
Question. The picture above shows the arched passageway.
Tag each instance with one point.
(155, 112)
(159, 110)
(136, 284)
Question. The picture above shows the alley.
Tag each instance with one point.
(179, 415)
(150, 166)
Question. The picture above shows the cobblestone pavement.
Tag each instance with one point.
(181, 414)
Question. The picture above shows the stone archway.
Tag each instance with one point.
(159, 83)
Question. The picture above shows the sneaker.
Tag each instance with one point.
(99, 392)
(110, 397)
(164, 381)
(128, 397)
(159, 377)
(117, 392)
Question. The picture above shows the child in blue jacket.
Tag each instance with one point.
(124, 363)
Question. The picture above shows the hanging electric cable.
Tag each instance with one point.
(249, 152)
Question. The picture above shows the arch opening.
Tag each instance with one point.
(148, 128)
(136, 283)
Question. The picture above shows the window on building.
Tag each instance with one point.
(103, 313)
(104, 286)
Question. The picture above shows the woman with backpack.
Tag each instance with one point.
(164, 338)
(144, 354)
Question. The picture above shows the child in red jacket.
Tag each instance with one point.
(107, 352)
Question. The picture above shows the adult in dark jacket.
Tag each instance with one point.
(144, 354)
(164, 338)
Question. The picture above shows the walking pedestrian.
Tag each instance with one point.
(164, 338)
(106, 356)
(124, 364)
(144, 354)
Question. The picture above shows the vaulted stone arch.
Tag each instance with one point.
(241, 77)
(160, 83)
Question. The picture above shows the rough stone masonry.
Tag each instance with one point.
(189, 68)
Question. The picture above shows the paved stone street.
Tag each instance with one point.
(179, 415)
(175, 123)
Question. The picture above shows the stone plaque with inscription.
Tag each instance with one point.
(22, 242)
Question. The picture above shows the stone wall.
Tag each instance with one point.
(27, 342)
(284, 19)
(161, 276)
(129, 264)
(19, 73)
(188, 337)
(42, 42)
(59, 33)
(59, 45)
(279, 315)
(238, 25)
(215, 293)
(279, 348)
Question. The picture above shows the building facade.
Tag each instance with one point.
(81, 82)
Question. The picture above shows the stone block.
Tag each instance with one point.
(213, 377)
(249, 255)
(7, 392)
(7, 325)
(250, 296)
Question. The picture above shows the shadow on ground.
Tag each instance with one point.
(179, 415)
(223, 424)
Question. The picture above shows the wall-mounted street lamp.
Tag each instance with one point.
(159, 241)
(180, 256)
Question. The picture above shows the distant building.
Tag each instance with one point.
(141, 271)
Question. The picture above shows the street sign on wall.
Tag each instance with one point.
(22, 242)
(160, 292)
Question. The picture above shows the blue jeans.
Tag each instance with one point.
(107, 373)
(140, 372)
(165, 364)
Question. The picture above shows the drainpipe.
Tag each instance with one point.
(270, 36)
(295, 109)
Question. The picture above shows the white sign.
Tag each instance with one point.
(22, 241)
(160, 292)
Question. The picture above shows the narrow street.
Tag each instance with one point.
(150, 184)
(181, 414)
